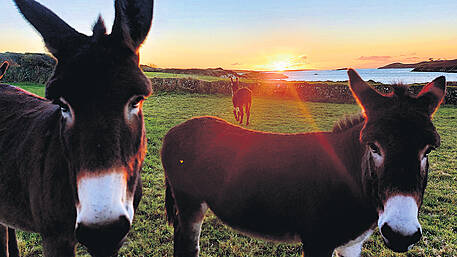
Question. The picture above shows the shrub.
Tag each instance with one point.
(28, 67)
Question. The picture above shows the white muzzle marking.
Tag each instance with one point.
(400, 213)
(103, 199)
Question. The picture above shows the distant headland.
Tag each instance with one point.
(426, 66)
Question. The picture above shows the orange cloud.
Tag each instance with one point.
(375, 58)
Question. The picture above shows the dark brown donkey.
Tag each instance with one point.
(241, 97)
(70, 164)
(327, 190)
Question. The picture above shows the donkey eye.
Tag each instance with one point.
(135, 103)
(63, 106)
(374, 148)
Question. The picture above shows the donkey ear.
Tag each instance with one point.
(132, 21)
(59, 37)
(231, 79)
(432, 95)
(366, 96)
(3, 68)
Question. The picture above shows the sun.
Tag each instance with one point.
(280, 65)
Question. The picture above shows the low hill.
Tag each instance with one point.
(219, 72)
(262, 75)
(430, 66)
(438, 66)
(216, 72)
(399, 65)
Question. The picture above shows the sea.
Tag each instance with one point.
(386, 76)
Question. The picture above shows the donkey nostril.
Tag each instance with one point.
(397, 241)
(416, 236)
(106, 236)
(387, 231)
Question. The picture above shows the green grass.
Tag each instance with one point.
(150, 236)
(37, 89)
(194, 76)
(174, 75)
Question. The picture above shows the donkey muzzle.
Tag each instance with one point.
(104, 211)
(103, 240)
(398, 223)
(398, 242)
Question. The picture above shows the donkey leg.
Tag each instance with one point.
(58, 246)
(354, 247)
(349, 251)
(323, 253)
(188, 226)
(241, 114)
(8, 243)
(248, 113)
(234, 114)
(3, 241)
(313, 251)
(13, 250)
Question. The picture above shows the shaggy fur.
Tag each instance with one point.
(347, 123)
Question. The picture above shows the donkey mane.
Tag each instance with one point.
(99, 28)
(400, 91)
(347, 122)
(397, 90)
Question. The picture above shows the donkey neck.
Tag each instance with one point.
(350, 153)
(30, 127)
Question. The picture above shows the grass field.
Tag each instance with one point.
(151, 236)
(174, 75)
(193, 76)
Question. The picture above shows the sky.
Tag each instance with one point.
(266, 34)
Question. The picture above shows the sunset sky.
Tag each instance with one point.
(267, 35)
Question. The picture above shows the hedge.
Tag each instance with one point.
(28, 67)
(314, 92)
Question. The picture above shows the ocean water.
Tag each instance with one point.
(387, 76)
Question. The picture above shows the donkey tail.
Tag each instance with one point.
(169, 204)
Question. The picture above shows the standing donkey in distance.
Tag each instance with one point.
(327, 190)
(241, 97)
(70, 164)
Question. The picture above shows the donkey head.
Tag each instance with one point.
(100, 89)
(397, 136)
(235, 85)
(3, 69)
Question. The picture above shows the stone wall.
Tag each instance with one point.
(314, 92)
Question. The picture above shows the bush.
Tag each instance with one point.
(28, 67)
